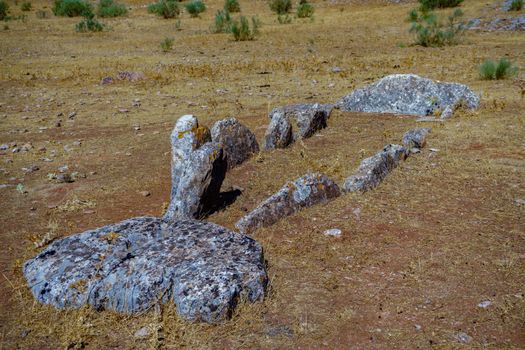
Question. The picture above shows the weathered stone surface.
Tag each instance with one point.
(238, 142)
(374, 169)
(304, 192)
(198, 168)
(138, 263)
(416, 138)
(409, 94)
(279, 132)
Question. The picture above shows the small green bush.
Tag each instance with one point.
(222, 23)
(305, 10)
(89, 24)
(42, 14)
(516, 5)
(433, 4)
(166, 44)
(281, 7)
(4, 8)
(232, 6)
(110, 8)
(430, 30)
(165, 8)
(195, 7)
(284, 19)
(490, 70)
(241, 29)
(72, 8)
(26, 6)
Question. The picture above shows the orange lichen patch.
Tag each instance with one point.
(110, 237)
(79, 285)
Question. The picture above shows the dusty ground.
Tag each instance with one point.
(443, 233)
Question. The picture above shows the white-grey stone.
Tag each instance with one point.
(485, 304)
(335, 232)
(416, 138)
(237, 141)
(463, 337)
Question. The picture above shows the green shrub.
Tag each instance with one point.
(281, 7)
(433, 4)
(305, 10)
(284, 19)
(42, 14)
(26, 6)
(89, 24)
(165, 8)
(4, 8)
(72, 8)
(516, 5)
(490, 70)
(241, 29)
(167, 44)
(430, 30)
(195, 7)
(232, 6)
(223, 22)
(110, 8)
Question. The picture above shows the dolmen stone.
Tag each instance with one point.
(306, 191)
(139, 263)
(238, 142)
(374, 169)
(309, 118)
(409, 94)
(198, 168)
(416, 138)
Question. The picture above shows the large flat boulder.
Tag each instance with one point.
(409, 94)
(238, 142)
(304, 192)
(131, 266)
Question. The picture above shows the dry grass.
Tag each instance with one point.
(442, 233)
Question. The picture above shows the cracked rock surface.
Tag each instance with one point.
(131, 266)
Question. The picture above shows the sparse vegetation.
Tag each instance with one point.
(433, 4)
(305, 10)
(110, 8)
(195, 7)
(516, 5)
(430, 30)
(241, 29)
(26, 6)
(4, 8)
(491, 70)
(72, 8)
(42, 14)
(165, 8)
(284, 19)
(281, 7)
(167, 44)
(222, 23)
(232, 6)
(89, 24)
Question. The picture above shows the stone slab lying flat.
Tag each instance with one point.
(131, 266)
(304, 192)
(409, 94)
(374, 169)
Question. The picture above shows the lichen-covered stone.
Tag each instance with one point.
(279, 133)
(304, 192)
(138, 263)
(238, 142)
(409, 94)
(198, 168)
(374, 169)
(416, 138)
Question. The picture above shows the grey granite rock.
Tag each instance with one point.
(131, 266)
(416, 138)
(304, 192)
(198, 168)
(374, 169)
(238, 142)
(279, 133)
(409, 94)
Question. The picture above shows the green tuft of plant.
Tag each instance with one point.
(232, 6)
(241, 29)
(491, 70)
(26, 6)
(89, 24)
(516, 5)
(110, 8)
(281, 7)
(222, 23)
(305, 10)
(167, 44)
(284, 19)
(430, 30)
(4, 9)
(42, 14)
(165, 8)
(434, 4)
(72, 8)
(195, 7)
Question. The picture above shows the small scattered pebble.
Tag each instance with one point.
(335, 232)
(145, 193)
(142, 333)
(485, 304)
(463, 337)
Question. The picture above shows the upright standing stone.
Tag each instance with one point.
(416, 138)
(238, 142)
